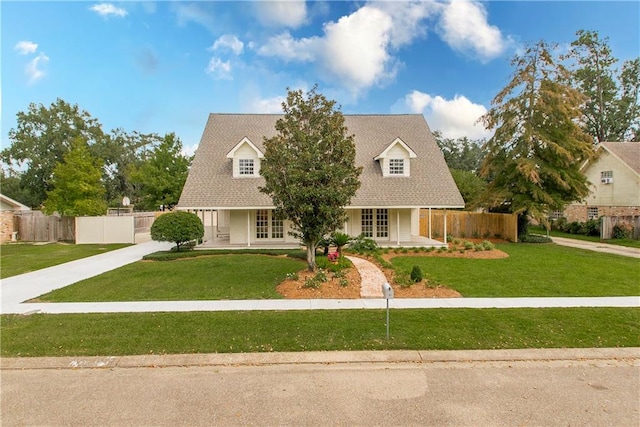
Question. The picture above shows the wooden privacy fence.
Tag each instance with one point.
(463, 224)
(34, 226)
(608, 222)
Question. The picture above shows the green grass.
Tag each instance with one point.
(216, 277)
(554, 233)
(544, 270)
(254, 331)
(19, 258)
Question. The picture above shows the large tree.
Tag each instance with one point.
(462, 153)
(77, 185)
(41, 139)
(309, 167)
(612, 106)
(161, 176)
(533, 159)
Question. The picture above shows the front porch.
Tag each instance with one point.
(224, 243)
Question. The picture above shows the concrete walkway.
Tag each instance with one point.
(598, 247)
(15, 290)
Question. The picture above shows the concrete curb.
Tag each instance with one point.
(320, 357)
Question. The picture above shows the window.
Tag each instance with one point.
(396, 166)
(606, 174)
(382, 223)
(245, 166)
(592, 212)
(262, 224)
(268, 226)
(379, 228)
(367, 222)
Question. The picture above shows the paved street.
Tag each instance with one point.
(602, 392)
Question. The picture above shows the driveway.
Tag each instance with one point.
(598, 247)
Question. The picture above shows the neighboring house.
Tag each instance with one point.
(403, 171)
(614, 175)
(8, 207)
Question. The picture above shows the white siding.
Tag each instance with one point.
(624, 191)
(245, 152)
(238, 227)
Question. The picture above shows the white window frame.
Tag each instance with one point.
(246, 167)
(592, 212)
(268, 226)
(375, 222)
(396, 167)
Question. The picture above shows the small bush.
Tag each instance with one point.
(487, 245)
(468, 245)
(344, 283)
(416, 274)
(311, 283)
(292, 276)
(403, 280)
(363, 243)
(321, 276)
(178, 227)
(622, 230)
(592, 228)
(533, 238)
(478, 247)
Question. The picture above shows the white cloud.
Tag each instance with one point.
(265, 105)
(287, 48)
(228, 42)
(463, 26)
(33, 68)
(455, 117)
(408, 19)
(290, 14)
(108, 9)
(219, 69)
(26, 47)
(194, 12)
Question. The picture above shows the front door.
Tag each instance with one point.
(268, 227)
(375, 223)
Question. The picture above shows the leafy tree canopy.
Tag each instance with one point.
(462, 153)
(77, 186)
(533, 159)
(159, 179)
(612, 106)
(41, 139)
(309, 167)
(178, 227)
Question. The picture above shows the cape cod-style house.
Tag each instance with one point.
(403, 172)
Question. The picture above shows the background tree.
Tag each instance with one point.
(464, 158)
(533, 158)
(10, 187)
(41, 139)
(309, 167)
(178, 227)
(612, 107)
(77, 185)
(160, 178)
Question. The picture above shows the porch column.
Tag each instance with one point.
(248, 228)
(445, 226)
(429, 222)
(398, 225)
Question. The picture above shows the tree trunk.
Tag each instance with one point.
(523, 223)
(311, 255)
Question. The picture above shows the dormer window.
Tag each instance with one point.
(246, 159)
(395, 159)
(245, 166)
(396, 166)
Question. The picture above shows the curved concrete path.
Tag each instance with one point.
(371, 277)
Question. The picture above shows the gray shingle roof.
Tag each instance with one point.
(628, 152)
(210, 183)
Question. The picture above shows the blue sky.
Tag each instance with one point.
(164, 66)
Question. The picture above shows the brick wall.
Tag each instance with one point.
(6, 225)
(579, 212)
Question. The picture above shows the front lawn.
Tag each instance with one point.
(543, 270)
(215, 277)
(321, 330)
(19, 258)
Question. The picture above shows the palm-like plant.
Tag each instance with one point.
(340, 240)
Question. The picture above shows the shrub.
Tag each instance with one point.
(622, 230)
(468, 245)
(344, 283)
(487, 245)
(363, 243)
(533, 238)
(416, 274)
(403, 280)
(321, 276)
(592, 227)
(340, 240)
(178, 227)
(311, 283)
(292, 276)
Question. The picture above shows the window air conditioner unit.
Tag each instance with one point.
(607, 180)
